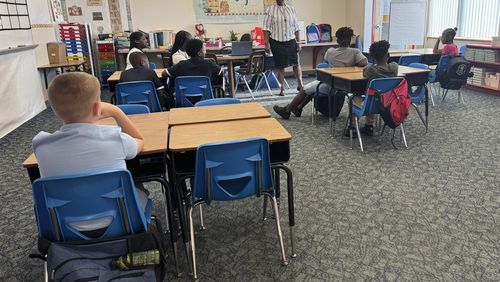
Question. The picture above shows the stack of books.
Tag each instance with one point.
(162, 39)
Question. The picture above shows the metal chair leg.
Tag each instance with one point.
(359, 133)
(312, 109)
(461, 97)
(46, 271)
(202, 222)
(431, 92)
(248, 86)
(278, 229)
(420, 115)
(267, 83)
(286, 83)
(264, 209)
(444, 95)
(403, 135)
(193, 251)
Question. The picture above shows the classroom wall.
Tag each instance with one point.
(355, 15)
(177, 15)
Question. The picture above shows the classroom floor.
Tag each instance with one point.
(429, 213)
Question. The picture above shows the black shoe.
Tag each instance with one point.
(354, 134)
(297, 112)
(367, 130)
(281, 111)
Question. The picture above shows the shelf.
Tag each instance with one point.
(484, 88)
(482, 46)
(486, 64)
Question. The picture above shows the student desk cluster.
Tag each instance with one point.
(351, 80)
(172, 138)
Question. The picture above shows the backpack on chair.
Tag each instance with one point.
(454, 72)
(313, 34)
(325, 31)
(395, 104)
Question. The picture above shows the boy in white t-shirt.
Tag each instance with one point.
(343, 56)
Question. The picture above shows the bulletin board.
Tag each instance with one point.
(231, 11)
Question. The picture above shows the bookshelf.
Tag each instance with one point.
(486, 67)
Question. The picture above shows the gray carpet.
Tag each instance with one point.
(429, 213)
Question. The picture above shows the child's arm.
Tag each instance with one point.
(109, 110)
(436, 49)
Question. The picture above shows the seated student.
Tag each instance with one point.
(141, 71)
(138, 42)
(178, 51)
(80, 145)
(379, 51)
(196, 65)
(343, 56)
(447, 37)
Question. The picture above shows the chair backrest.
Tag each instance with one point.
(212, 57)
(138, 92)
(256, 63)
(232, 170)
(322, 65)
(134, 109)
(189, 90)
(463, 50)
(68, 207)
(442, 66)
(152, 66)
(419, 66)
(407, 60)
(218, 101)
(380, 85)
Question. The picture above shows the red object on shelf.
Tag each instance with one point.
(258, 35)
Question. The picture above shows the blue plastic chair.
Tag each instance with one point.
(218, 101)
(463, 50)
(152, 66)
(407, 60)
(138, 92)
(232, 171)
(432, 78)
(134, 109)
(191, 89)
(371, 104)
(441, 70)
(69, 207)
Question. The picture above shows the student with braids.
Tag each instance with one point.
(178, 51)
(447, 37)
(138, 42)
(343, 56)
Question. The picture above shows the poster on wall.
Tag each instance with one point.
(97, 16)
(75, 11)
(57, 11)
(94, 2)
(115, 16)
(231, 11)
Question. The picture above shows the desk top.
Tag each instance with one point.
(154, 128)
(402, 71)
(116, 75)
(336, 70)
(69, 63)
(182, 116)
(222, 58)
(190, 137)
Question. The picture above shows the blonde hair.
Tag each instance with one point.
(72, 95)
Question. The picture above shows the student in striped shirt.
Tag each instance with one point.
(281, 35)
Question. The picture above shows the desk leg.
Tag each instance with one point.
(84, 69)
(331, 111)
(231, 73)
(291, 208)
(62, 69)
(45, 77)
(426, 108)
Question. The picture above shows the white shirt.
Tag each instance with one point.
(129, 65)
(281, 22)
(179, 56)
(83, 148)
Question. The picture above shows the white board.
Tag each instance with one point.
(407, 22)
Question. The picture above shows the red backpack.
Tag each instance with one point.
(395, 104)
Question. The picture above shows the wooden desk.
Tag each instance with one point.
(154, 128)
(182, 116)
(428, 56)
(337, 70)
(230, 59)
(115, 77)
(60, 66)
(189, 137)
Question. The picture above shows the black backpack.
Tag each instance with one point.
(322, 104)
(454, 75)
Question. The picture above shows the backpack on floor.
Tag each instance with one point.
(326, 32)
(453, 72)
(322, 104)
(313, 33)
(102, 259)
(394, 105)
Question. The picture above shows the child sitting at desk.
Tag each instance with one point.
(178, 51)
(138, 41)
(447, 37)
(195, 66)
(379, 51)
(80, 145)
(343, 56)
(140, 71)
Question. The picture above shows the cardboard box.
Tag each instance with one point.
(56, 52)
(492, 80)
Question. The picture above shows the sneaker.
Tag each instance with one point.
(297, 112)
(354, 134)
(367, 130)
(281, 111)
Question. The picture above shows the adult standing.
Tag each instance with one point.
(281, 35)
